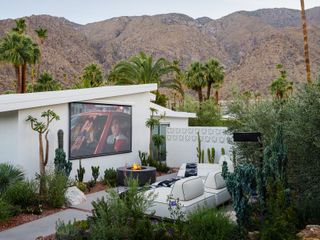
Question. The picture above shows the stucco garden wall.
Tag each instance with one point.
(181, 143)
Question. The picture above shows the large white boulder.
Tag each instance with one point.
(74, 196)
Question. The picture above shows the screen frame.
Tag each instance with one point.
(100, 154)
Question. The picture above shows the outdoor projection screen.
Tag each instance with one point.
(99, 129)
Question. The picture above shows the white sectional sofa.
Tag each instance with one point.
(190, 193)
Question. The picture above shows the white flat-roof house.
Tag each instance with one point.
(87, 118)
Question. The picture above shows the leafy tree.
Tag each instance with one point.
(214, 77)
(42, 36)
(151, 123)
(196, 78)
(46, 83)
(20, 27)
(142, 69)
(281, 87)
(158, 140)
(92, 76)
(43, 128)
(19, 50)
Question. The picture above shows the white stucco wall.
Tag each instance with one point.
(27, 150)
(175, 122)
(8, 136)
(181, 144)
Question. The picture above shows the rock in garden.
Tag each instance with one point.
(311, 232)
(74, 196)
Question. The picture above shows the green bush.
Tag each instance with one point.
(81, 185)
(308, 210)
(22, 194)
(299, 116)
(6, 210)
(122, 217)
(57, 186)
(66, 231)
(280, 220)
(110, 177)
(211, 224)
(207, 114)
(9, 175)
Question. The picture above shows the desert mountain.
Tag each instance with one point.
(249, 44)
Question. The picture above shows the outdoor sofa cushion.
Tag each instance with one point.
(187, 188)
(215, 180)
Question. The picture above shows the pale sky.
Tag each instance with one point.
(87, 11)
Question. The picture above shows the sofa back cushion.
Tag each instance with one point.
(225, 158)
(187, 189)
(214, 180)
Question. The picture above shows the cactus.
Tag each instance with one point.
(143, 158)
(60, 162)
(211, 154)
(200, 152)
(80, 172)
(223, 151)
(60, 139)
(95, 173)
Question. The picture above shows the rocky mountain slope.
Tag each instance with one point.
(249, 44)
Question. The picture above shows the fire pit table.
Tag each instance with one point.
(144, 175)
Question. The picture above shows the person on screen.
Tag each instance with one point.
(117, 141)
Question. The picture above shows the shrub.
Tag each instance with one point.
(280, 220)
(57, 186)
(81, 185)
(66, 231)
(210, 224)
(6, 210)
(22, 194)
(122, 217)
(9, 175)
(110, 177)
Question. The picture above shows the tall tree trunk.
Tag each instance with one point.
(47, 149)
(305, 39)
(217, 96)
(24, 79)
(200, 96)
(209, 90)
(18, 71)
(150, 143)
(41, 166)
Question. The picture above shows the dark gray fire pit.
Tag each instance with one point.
(145, 175)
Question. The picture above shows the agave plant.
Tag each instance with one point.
(9, 175)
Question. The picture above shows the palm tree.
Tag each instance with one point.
(195, 78)
(142, 69)
(42, 36)
(214, 77)
(46, 83)
(19, 50)
(20, 26)
(305, 40)
(281, 88)
(92, 76)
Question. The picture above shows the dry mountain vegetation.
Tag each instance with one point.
(249, 44)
